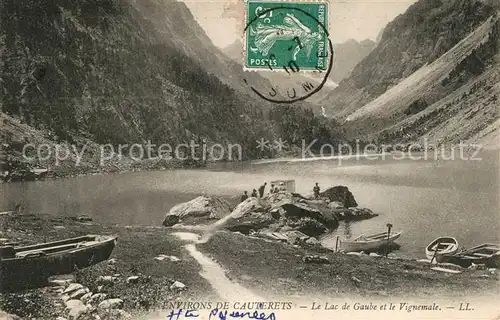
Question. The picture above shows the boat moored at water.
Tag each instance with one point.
(441, 247)
(29, 265)
(486, 253)
(370, 242)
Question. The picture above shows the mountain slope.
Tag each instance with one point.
(449, 100)
(347, 55)
(428, 29)
(127, 72)
(103, 70)
(176, 25)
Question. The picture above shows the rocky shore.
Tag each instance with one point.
(141, 272)
(278, 257)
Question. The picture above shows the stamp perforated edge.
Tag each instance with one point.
(244, 36)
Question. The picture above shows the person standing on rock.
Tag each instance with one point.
(316, 191)
(261, 189)
(254, 193)
(244, 196)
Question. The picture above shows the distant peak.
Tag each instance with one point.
(367, 42)
(235, 43)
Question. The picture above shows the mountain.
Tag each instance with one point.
(433, 65)
(125, 72)
(235, 51)
(106, 68)
(347, 55)
(175, 23)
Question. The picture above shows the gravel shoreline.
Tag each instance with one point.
(271, 268)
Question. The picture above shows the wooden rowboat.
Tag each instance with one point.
(441, 247)
(369, 243)
(28, 266)
(486, 253)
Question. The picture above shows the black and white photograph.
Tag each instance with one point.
(249, 159)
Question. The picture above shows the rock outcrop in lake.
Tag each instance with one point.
(276, 212)
(251, 214)
(199, 208)
(282, 212)
(340, 194)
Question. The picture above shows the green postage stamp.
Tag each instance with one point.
(286, 35)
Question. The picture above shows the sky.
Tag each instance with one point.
(223, 20)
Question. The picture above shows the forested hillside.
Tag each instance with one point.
(115, 71)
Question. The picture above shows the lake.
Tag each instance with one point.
(425, 199)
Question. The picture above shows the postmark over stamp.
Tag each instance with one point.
(286, 35)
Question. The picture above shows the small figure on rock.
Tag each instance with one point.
(261, 189)
(244, 196)
(282, 187)
(271, 190)
(316, 191)
(254, 193)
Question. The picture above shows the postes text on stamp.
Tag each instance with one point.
(286, 35)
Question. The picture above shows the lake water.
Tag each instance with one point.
(425, 199)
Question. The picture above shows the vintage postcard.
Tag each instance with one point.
(249, 159)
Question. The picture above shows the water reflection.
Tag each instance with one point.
(347, 230)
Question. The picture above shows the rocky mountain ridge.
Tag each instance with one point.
(436, 49)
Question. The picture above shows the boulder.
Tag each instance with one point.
(177, 285)
(76, 309)
(306, 210)
(97, 298)
(7, 316)
(295, 237)
(275, 198)
(271, 235)
(200, 207)
(86, 297)
(248, 215)
(59, 282)
(133, 279)
(312, 241)
(77, 294)
(109, 280)
(335, 205)
(309, 226)
(340, 194)
(353, 214)
(281, 212)
(111, 304)
(64, 297)
(73, 287)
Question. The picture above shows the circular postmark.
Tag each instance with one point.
(290, 44)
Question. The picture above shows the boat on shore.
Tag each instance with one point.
(370, 242)
(440, 248)
(27, 266)
(486, 253)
